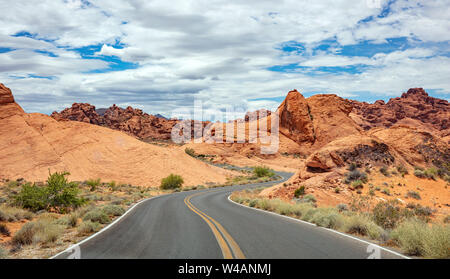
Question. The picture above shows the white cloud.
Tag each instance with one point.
(217, 50)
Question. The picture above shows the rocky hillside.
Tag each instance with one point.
(32, 144)
(414, 107)
(129, 120)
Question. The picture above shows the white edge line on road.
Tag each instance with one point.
(107, 227)
(311, 224)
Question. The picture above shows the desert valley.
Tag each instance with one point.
(342, 154)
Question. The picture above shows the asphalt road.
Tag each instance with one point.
(205, 224)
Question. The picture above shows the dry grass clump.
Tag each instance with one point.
(14, 214)
(44, 230)
(88, 227)
(417, 238)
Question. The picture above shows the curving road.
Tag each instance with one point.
(204, 224)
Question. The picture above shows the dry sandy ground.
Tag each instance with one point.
(33, 144)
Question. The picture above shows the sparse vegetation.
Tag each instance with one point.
(88, 227)
(171, 182)
(299, 192)
(430, 173)
(93, 183)
(384, 171)
(4, 230)
(97, 215)
(413, 194)
(190, 152)
(388, 220)
(355, 175)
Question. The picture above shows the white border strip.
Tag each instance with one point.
(311, 224)
(107, 227)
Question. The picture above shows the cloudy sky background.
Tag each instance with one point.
(161, 55)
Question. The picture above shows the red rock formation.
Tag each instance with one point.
(316, 120)
(8, 106)
(79, 112)
(131, 121)
(414, 104)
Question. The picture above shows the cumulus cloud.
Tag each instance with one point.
(221, 52)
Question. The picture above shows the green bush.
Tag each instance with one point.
(96, 215)
(173, 181)
(263, 172)
(88, 227)
(357, 184)
(58, 194)
(299, 192)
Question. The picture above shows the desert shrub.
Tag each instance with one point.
(113, 210)
(409, 236)
(93, 183)
(32, 197)
(4, 230)
(113, 186)
(413, 194)
(299, 192)
(252, 203)
(25, 235)
(70, 220)
(328, 218)
(308, 199)
(172, 181)
(88, 227)
(357, 184)
(13, 214)
(386, 191)
(337, 190)
(384, 171)
(190, 152)
(402, 170)
(437, 242)
(446, 219)
(423, 211)
(3, 253)
(263, 172)
(342, 207)
(58, 194)
(430, 173)
(41, 231)
(362, 225)
(96, 215)
(415, 237)
(387, 214)
(352, 167)
(355, 175)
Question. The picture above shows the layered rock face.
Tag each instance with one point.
(131, 121)
(414, 104)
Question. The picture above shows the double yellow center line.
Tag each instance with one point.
(229, 247)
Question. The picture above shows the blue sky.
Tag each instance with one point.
(162, 56)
